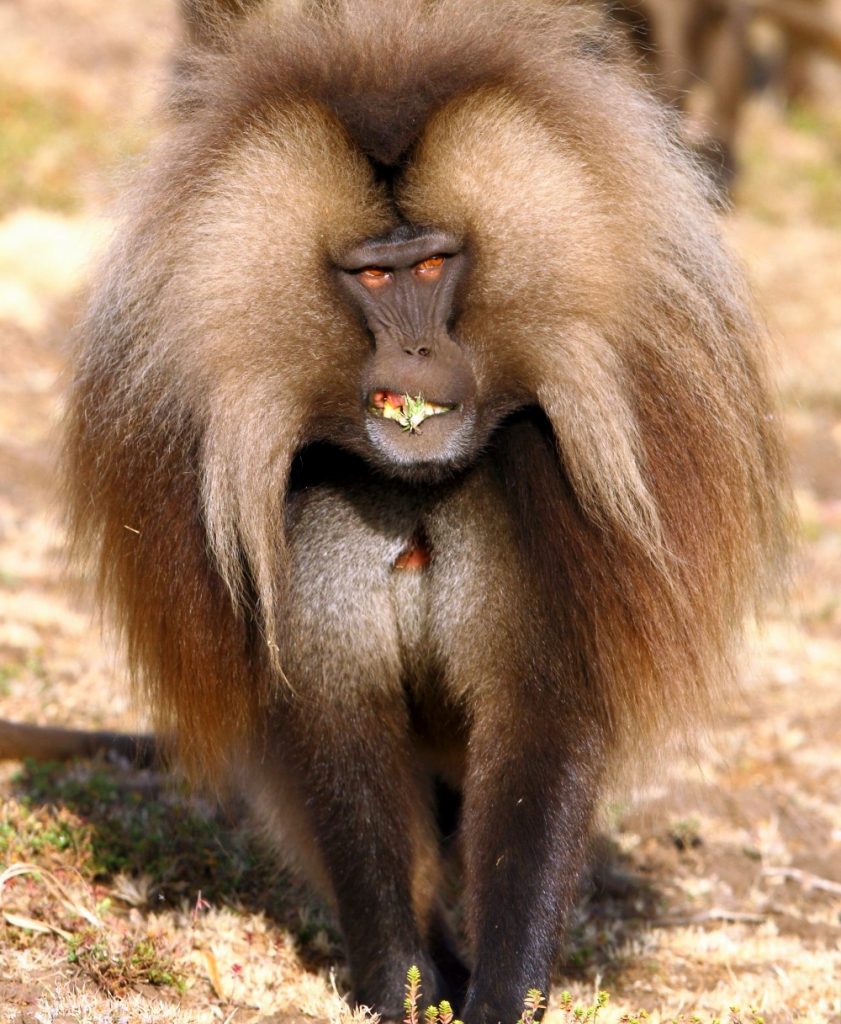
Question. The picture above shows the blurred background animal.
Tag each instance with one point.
(705, 57)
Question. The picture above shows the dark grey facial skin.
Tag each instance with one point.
(405, 288)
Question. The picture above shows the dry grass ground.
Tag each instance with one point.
(124, 900)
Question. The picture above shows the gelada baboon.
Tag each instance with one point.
(420, 441)
(696, 53)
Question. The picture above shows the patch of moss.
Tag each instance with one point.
(44, 833)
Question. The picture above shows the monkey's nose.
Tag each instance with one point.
(417, 349)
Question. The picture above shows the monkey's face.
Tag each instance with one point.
(417, 386)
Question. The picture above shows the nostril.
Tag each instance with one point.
(422, 350)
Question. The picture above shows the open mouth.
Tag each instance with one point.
(406, 410)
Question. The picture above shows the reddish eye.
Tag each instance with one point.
(373, 277)
(429, 267)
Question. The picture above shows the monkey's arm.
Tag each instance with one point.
(530, 796)
(49, 743)
(340, 760)
(348, 760)
(537, 742)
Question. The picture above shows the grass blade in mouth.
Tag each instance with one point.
(404, 409)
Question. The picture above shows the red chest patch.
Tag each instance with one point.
(415, 555)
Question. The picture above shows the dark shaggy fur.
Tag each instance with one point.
(617, 508)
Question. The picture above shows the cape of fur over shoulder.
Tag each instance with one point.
(214, 348)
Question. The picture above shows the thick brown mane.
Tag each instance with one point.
(600, 294)
(331, 53)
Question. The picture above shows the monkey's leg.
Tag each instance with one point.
(371, 824)
(342, 731)
(725, 70)
(529, 803)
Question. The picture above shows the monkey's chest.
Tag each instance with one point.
(412, 587)
(362, 586)
(416, 555)
(392, 587)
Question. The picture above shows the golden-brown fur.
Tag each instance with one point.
(616, 561)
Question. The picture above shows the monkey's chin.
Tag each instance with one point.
(439, 447)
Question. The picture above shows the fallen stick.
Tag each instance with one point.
(804, 878)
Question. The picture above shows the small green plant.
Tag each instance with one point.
(440, 1014)
(567, 1011)
(413, 993)
(413, 413)
(533, 1004)
(588, 1014)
